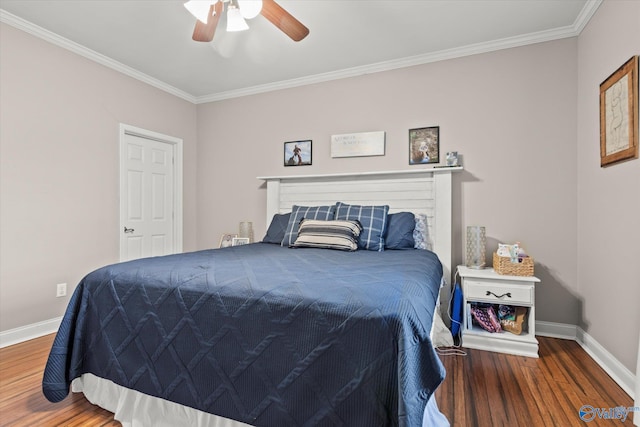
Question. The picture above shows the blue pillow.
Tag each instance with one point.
(400, 231)
(298, 213)
(277, 228)
(373, 220)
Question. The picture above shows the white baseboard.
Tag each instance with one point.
(29, 332)
(556, 330)
(616, 370)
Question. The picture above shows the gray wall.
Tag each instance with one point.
(608, 198)
(59, 124)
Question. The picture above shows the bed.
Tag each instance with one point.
(264, 334)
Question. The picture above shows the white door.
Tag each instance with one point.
(148, 197)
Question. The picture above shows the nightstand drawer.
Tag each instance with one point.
(498, 293)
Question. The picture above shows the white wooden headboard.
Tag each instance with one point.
(426, 191)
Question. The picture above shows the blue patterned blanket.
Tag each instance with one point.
(262, 334)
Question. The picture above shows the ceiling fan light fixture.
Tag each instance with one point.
(199, 9)
(204, 31)
(250, 8)
(235, 21)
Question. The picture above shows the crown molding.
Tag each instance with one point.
(568, 31)
(573, 30)
(411, 61)
(585, 15)
(85, 52)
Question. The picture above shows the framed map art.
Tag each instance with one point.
(619, 114)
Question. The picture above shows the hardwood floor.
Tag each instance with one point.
(493, 389)
(21, 400)
(481, 389)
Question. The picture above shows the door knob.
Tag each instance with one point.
(128, 230)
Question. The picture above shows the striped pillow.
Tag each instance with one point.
(373, 220)
(334, 234)
(298, 213)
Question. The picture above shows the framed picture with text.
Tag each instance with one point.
(359, 144)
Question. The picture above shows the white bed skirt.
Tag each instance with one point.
(135, 409)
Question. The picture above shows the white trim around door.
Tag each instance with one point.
(177, 145)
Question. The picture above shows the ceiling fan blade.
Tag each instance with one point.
(283, 20)
(204, 32)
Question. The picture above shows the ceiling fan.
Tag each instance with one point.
(208, 13)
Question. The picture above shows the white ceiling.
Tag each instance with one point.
(151, 40)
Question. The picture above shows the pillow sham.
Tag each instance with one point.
(300, 212)
(400, 228)
(332, 234)
(421, 233)
(277, 228)
(373, 220)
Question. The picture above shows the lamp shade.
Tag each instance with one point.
(476, 247)
(235, 21)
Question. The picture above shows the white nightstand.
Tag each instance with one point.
(487, 286)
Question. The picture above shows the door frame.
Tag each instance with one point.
(177, 145)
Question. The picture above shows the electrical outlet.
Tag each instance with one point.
(61, 290)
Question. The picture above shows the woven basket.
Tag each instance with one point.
(503, 265)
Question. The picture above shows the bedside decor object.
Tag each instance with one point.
(476, 247)
(452, 158)
(239, 241)
(619, 114)
(246, 230)
(358, 144)
(226, 240)
(503, 265)
(297, 153)
(424, 145)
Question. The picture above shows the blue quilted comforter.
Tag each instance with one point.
(262, 334)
